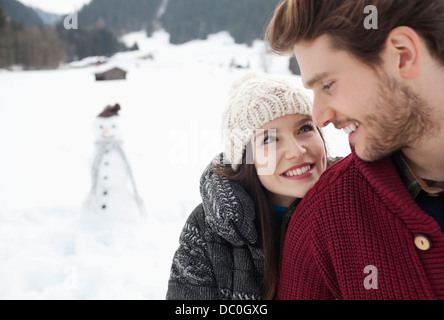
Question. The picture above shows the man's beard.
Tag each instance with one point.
(400, 119)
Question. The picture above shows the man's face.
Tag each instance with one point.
(380, 114)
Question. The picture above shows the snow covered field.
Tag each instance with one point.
(171, 115)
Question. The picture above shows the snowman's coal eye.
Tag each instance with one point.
(101, 127)
(114, 126)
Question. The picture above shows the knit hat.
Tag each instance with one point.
(254, 101)
(110, 111)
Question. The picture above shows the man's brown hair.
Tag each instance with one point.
(343, 22)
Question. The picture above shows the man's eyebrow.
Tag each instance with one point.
(309, 84)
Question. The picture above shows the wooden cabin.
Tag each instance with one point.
(111, 74)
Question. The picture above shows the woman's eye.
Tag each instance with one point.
(306, 128)
(269, 139)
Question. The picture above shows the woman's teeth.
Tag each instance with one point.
(297, 172)
(351, 128)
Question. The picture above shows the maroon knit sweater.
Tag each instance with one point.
(360, 214)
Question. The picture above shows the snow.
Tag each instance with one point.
(171, 116)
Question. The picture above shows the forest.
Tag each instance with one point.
(196, 19)
(26, 40)
(32, 47)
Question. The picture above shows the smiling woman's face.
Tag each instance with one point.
(289, 156)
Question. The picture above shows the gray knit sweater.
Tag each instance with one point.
(219, 256)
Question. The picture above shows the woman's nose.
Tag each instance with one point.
(294, 149)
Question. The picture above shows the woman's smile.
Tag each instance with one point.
(299, 172)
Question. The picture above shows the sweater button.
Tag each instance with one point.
(422, 242)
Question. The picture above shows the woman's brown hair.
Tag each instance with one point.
(343, 22)
(266, 222)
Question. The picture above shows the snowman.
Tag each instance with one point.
(113, 190)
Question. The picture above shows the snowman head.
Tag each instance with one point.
(107, 126)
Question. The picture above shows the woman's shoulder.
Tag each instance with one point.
(227, 208)
(196, 219)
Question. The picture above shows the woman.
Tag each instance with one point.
(230, 246)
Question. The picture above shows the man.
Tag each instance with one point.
(372, 227)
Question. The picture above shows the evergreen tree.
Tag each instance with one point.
(101, 20)
(2, 19)
(31, 47)
(18, 12)
(196, 19)
(294, 66)
(85, 42)
(121, 16)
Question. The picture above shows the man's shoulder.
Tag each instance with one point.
(346, 166)
(352, 177)
(340, 180)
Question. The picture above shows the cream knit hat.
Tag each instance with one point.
(254, 101)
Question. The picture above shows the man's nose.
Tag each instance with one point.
(323, 115)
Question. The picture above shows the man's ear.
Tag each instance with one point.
(404, 48)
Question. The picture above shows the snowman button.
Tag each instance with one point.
(104, 206)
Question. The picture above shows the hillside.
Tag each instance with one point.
(20, 13)
(48, 18)
(30, 42)
(101, 22)
(31, 47)
(195, 19)
(184, 20)
(120, 16)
